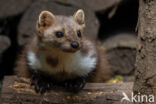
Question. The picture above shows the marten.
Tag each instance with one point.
(60, 54)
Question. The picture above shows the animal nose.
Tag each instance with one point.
(75, 44)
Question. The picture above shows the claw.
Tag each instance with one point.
(75, 85)
(37, 89)
(40, 84)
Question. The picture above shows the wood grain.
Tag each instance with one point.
(18, 91)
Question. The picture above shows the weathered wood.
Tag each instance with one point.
(18, 91)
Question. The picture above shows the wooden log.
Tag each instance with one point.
(18, 91)
(121, 53)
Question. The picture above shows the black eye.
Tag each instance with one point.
(79, 33)
(59, 34)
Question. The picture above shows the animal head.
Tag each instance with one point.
(61, 32)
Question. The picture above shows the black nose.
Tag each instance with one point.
(75, 44)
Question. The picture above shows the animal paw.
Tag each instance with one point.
(75, 85)
(41, 85)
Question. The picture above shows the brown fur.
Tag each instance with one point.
(102, 72)
(69, 27)
(52, 61)
(21, 69)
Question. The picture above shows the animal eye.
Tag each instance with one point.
(59, 34)
(79, 33)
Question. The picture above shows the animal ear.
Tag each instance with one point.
(46, 19)
(79, 17)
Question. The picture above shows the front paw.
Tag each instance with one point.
(75, 85)
(41, 85)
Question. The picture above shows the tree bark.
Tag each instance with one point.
(145, 82)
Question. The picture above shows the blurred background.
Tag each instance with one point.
(112, 23)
